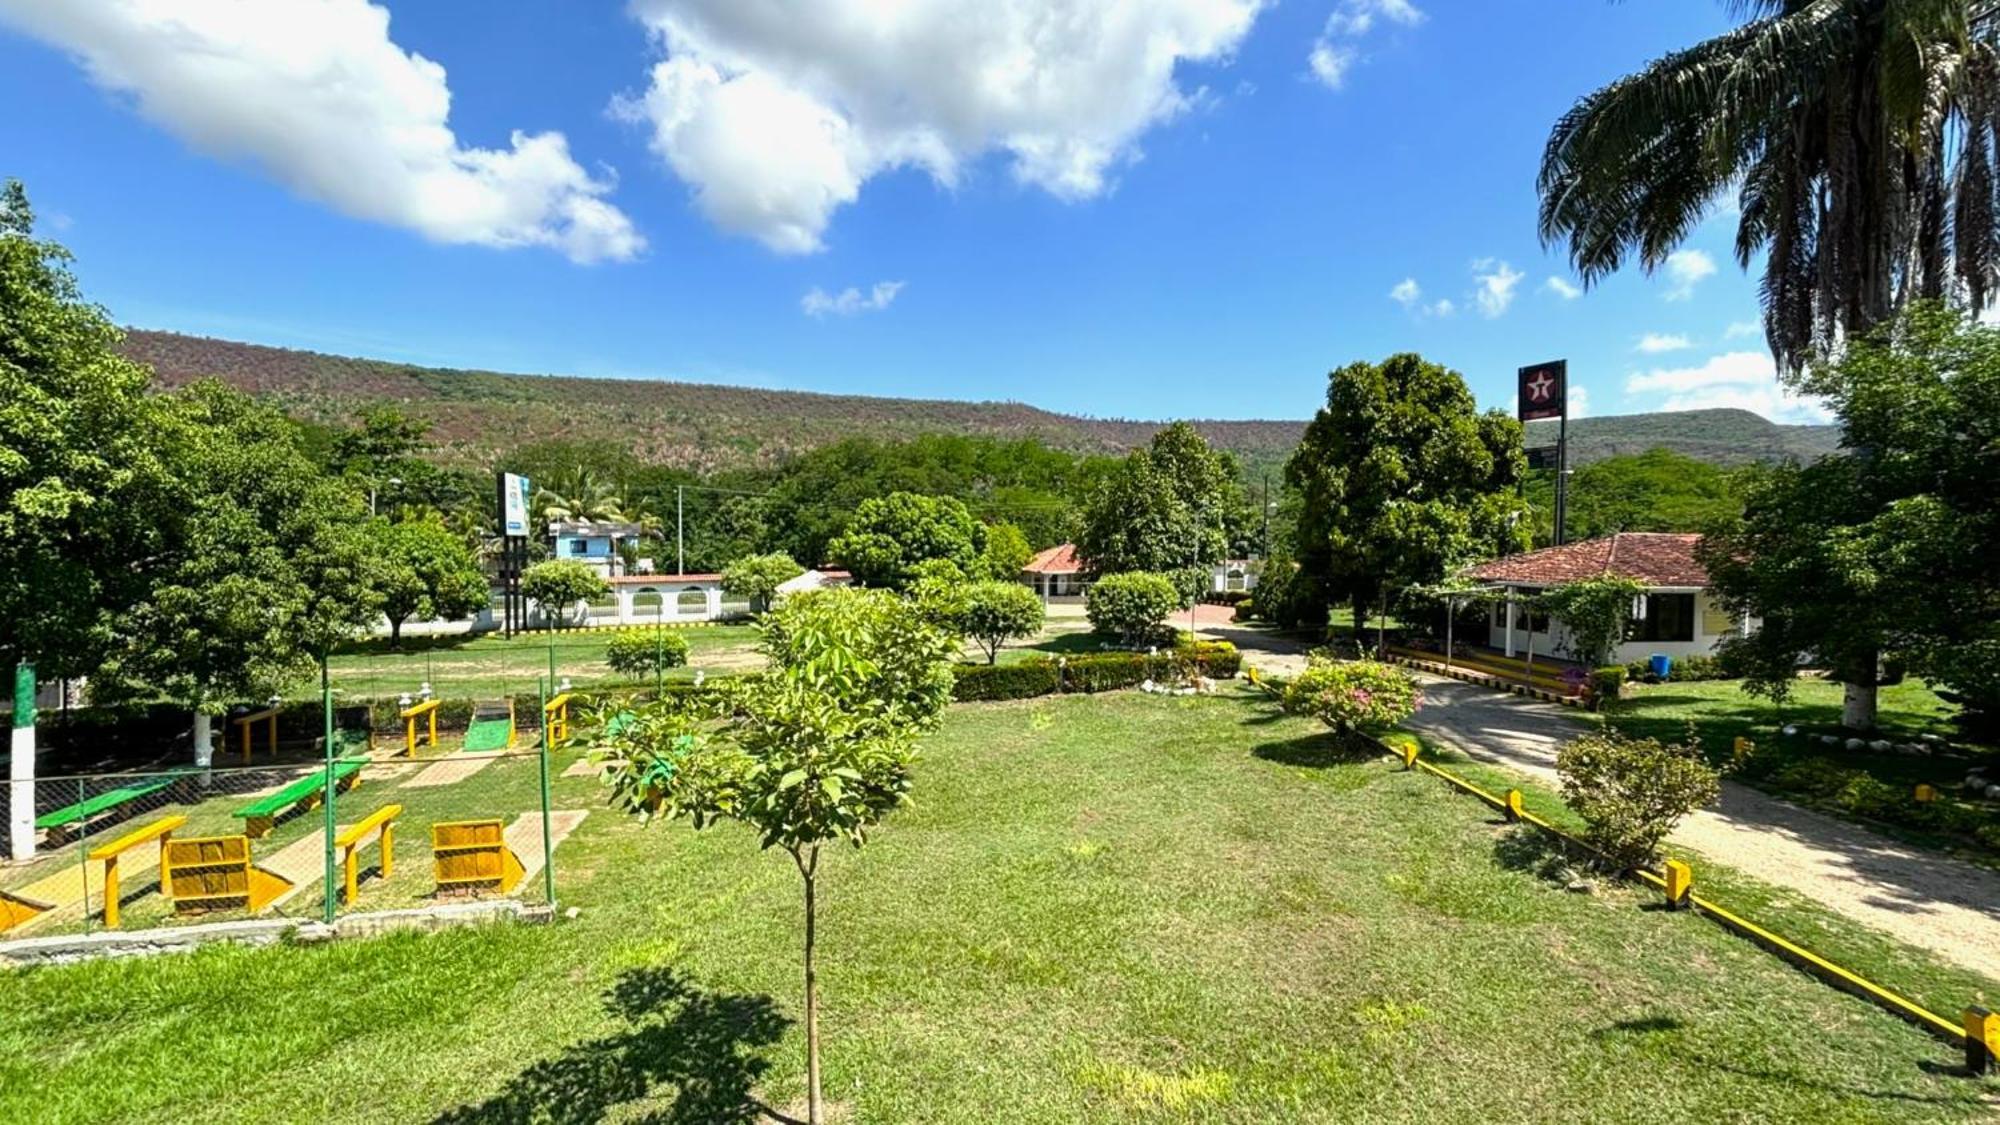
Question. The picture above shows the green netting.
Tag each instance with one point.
(489, 734)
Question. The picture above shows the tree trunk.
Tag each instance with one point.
(815, 1109)
(204, 743)
(1857, 707)
(395, 634)
(1361, 623)
(993, 654)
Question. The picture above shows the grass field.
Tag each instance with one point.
(1101, 908)
(1811, 773)
(491, 665)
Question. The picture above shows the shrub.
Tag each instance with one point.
(1225, 597)
(1632, 791)
(1131, 605)
(1605, 683)
(1109, 671)
(646, 652)
(1353, 695)
(994, 613)
(1246, 610)
(1217, 660)
(559, 585)
(1696, 668)
(1025, 680)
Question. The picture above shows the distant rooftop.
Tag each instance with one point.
(1656, 558)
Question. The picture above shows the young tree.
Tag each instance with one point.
(891, 534)
(1593, 611)
(994, 613)
(1401, 479)
(425, 570)
(815, 750)
(262, 563)
(557, 585)
(757, 578)
(1167, 509)
(1006, 552)
(1130, 606)
(1632, 791)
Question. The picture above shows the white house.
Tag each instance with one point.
(591, 542)
(1679, 615)
(1233, 574)
(1055, 573)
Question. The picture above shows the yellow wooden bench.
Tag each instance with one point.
(350, 842)
(214, 872)
(245, 723)
(19, 910)
(161, 830)
(555, 721)
(425, 709)
(473, 854)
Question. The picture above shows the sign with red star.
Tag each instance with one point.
(1542, 390)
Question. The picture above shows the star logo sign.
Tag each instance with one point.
(1540, 386)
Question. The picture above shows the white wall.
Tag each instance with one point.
(1710, 628)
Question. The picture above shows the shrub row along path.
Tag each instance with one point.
(1934, 902)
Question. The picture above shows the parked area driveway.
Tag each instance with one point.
(1926, 900)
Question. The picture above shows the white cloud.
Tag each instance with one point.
(1746, 380)
(1495, 282)
(1579, 402)
(1653, 343)
(1407, 292)
(1337, 49)
(1686, 269)
(1741, 328)
(1563, 287)
(776, 115)
(316, 93)
(851, 300)
(1441, 307)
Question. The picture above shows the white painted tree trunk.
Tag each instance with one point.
(204, 743)
(1857, 706)
(21, 769)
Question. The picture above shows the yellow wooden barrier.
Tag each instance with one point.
(426, 708)
(161, 830)
(18, 910)
(473, 854)
(555, 721)
(1982, 1040)
(245, 723)
(349, 841)
(1680, 882)
(213, 872)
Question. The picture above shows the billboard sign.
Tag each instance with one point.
(1542, 390)
(514, 492)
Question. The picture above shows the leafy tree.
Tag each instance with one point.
(1631, 792)
(1658, 490)
(891, 534)
(75, 459)
(815, 750)
(559, 584)
(1131, 605)
(262, 562)
(1167, 508)
(425, 570)
(1005, 553)
(757, 578)
(1888, 547)
(1593, 612)
(997, 612)
(1859, 136)
(1400, 481)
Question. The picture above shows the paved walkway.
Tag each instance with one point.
(1933, 902)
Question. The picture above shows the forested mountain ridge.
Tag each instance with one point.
(708, 427)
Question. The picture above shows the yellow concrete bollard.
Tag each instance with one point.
(1926, 794)
(1514, 810)
(1982, 1040)
(1409, 749)
(1743, 748)
(1680, 884)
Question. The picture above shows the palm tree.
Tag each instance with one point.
(1859, 136)
(579, 495)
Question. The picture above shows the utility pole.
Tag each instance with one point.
(680, 535)
(1266, 504)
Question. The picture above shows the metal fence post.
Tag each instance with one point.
(82, 851)
(326, 710)
(548, 836)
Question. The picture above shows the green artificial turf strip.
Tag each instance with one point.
(1100, 908)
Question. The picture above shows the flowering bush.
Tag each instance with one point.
(1363, 695)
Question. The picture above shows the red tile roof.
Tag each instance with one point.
(1656, 558)
(660, 579)
(1056, 560)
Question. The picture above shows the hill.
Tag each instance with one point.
(476, 414)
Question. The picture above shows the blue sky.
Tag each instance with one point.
(1153, 209)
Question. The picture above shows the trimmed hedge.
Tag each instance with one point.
(1094, 672)
(979, 682)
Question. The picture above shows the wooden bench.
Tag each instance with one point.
(427, 708)
(161, 830)
(75, 816)
(216, 872)
(382, 822)
(246, 723)
(473, 854)
(262, 814)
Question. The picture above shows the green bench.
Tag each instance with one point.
(80, 813)
(260, 815)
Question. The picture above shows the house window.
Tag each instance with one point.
(578, 547)
(1528, 620)
(1669, 617)
(1234, 578)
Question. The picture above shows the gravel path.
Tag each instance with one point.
(1929, 901)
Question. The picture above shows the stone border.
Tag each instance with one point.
(69, 948)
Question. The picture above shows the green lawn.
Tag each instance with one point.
(1864, 785)
(462, 667)
(1100, 909)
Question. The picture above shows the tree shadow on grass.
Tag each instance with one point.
(1315, 751)
(706, 1046)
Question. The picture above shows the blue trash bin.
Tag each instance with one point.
(1661, 665)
